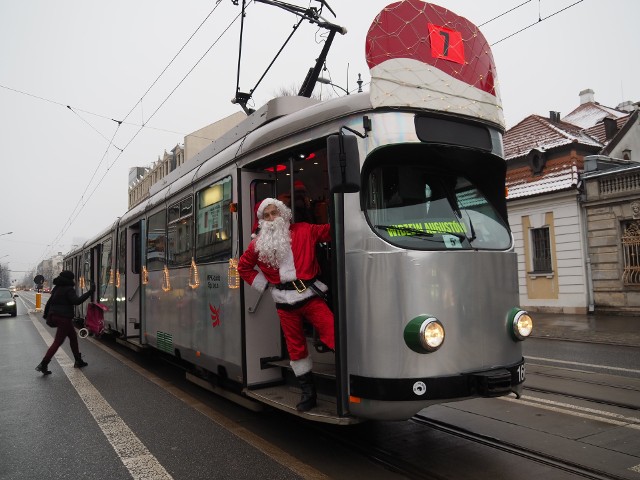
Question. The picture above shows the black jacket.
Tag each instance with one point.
(63, 298)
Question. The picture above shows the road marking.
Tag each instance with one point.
(578, 364)
(280, 456)
(132, 452)
(576, 411)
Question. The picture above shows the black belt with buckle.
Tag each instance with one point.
(297, 284)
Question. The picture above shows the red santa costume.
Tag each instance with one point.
(295, 261)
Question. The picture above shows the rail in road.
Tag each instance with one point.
(569, 423)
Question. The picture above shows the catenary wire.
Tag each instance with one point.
(72, 219)
(539, 21)
(80, 205)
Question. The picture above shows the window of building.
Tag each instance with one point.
(180, 232)
(156, 241)
(541, 250)
(631, 250)
(213, 230)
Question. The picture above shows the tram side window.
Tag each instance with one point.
(180, 232)
(86, 268)
(135, 251)
(156, 241)
(213, 229)
(122, 258)
(106, 277)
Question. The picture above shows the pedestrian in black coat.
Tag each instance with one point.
(59, 311)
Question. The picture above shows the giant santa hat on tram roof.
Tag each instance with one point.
(425, 56)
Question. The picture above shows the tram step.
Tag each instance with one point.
(324, 370)
(286, 397)
(234, 397)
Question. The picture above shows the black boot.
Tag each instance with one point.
(309, 397)
(79, 362)
(43, 367)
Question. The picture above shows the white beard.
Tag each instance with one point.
(274, 241)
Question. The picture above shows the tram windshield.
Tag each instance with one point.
(429, 207)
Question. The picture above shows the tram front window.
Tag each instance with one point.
(420, 207)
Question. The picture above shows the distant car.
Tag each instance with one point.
(7, 302)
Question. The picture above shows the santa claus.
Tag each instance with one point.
(282, 256)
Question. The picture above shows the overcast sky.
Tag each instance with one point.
(60, 180)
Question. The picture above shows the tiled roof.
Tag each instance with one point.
(559, 174)
(591, 113)
(543, 134)
(598, 131)
(584, 127)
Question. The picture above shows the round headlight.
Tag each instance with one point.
(424, 334)
(521, 324)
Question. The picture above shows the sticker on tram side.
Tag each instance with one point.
(409, 229)
(215, 315)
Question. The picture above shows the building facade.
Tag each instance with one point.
(569, 239)
(142, 178)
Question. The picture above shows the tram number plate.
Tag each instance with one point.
(520, 373)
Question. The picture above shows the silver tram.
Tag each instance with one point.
(421, 268)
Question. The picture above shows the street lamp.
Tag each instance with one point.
(326, 81)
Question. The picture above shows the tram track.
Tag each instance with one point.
(416, 435)
(518, 450)
(602, 389)
(592, 399)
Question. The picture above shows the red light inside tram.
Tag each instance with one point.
(277, 168)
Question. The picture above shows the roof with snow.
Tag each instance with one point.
(541, 133)
(527, 145)
(591, 113)
(559, 175)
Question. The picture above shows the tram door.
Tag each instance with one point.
(261, 323)
(133, 304)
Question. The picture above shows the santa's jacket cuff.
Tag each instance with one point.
(259, 282)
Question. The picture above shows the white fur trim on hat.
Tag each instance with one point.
(302, 366)
(285, 211)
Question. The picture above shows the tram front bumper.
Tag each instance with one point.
(487, 383)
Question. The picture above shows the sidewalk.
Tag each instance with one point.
(594, 328)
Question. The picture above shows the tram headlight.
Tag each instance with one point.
(521, 323)
(424, 334)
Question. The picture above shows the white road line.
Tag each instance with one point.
(633, 422)
(132, 452)
(581, 412)
(578, 364)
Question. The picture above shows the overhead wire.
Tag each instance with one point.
(172, 60)
(540, 20)
(76, 110)
(72, 218)
(144, 123)
(80, 205)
